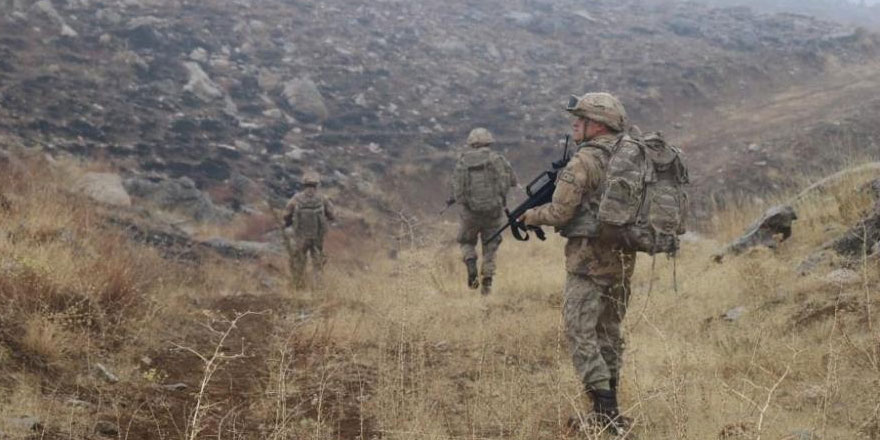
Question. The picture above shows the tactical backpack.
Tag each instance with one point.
(644, 206)
(482, 180)
(309, 219)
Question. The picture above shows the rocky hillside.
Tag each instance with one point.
(237, 96)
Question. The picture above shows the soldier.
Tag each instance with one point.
(480, 183)
(597, 286)
(308, 213)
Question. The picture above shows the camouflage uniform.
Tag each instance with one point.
(478, 224)
(308, 213)
(598, 281)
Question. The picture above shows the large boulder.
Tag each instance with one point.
(774, 225)
(304, 100)
(180, 195)
(104, 188)
(46, 9)
(861, 238)
(200, 84)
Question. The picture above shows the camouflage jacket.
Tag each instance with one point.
(572, 212)
(310, 212)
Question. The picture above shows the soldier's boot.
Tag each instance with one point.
(472, 281)
(606, 414)
(486, 287)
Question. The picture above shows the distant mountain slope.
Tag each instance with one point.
(215, 90)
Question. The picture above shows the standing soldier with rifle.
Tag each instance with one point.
(480, 183)
(597, 286)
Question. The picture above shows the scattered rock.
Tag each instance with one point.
(105, 374)
(176, 387)
(104, 188)
(803, 434)
(304, 100)
(27, 423)
(180, 195)
(79, 403)
(823, 259)
(200, 84)
(239, 249)
(776, 222)
(519, 17)
(734, 314)
(862, 237)
(106, 428)
(143, 32)
(199, 55)
(843, 277)
(46, 8)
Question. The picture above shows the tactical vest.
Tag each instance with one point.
(585, 222)
(481, 181)
(309, 218)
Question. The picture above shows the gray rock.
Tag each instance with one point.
(77, 403)
(199, 55)
(734, 314)
(176, 387)
(843, 277)
(180, 195)
(804, 434)
(816, 261)
(875, 189)
(104, 188)
(685, 28)
(106, 428)
(304, 100)
(45, 8)
(239, 249)
(105, 374)
(143, 32)
(200, 84)
(519, 17)
(776, 221)
(28, 423)
(108, 15)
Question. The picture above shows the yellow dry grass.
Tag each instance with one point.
(449, 364)
(398, 348)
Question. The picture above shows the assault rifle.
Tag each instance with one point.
(539, 192)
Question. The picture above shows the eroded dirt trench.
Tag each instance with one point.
(251, 372)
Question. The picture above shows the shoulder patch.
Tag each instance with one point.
(566, 176)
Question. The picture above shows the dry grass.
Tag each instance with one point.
(398, 348)
(450, 364)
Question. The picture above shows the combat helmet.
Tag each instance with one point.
(480, 137)
(311, 178)
(599, 107)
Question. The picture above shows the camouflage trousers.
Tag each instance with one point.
(593, 314)
(475, 227)
(306, 248)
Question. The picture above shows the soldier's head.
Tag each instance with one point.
(596, 114)
(310, 181)
(480, 137)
